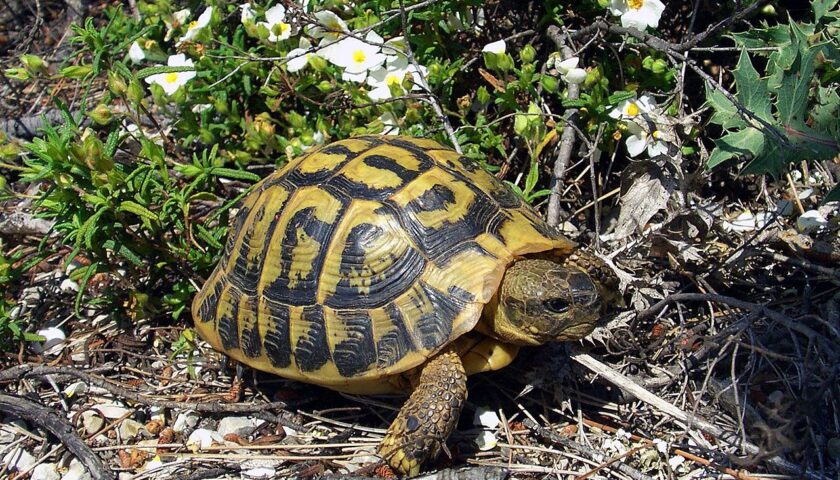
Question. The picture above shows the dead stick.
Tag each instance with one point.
(58, 426)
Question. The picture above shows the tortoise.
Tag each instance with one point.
(389, 264)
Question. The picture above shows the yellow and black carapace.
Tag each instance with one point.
(383, 264)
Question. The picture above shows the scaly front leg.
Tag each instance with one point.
(429, 415)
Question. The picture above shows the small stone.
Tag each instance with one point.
(486, 441)
(76, 471)
(92, 421)
(68, 286)
(18, 459)
(111, 410)
(259, 473)
(185, 421)
(129, 428)
(203, 438)
(486, 418)
(53, 340)
(242, 426)
(45, 471)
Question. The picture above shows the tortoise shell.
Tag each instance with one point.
(360, 260)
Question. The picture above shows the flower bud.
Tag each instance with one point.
(482, 95)
(549, 83)
(76, 71)
(34, 64)
(17, 73)
(504, 62)
(102, 115)
(317, 63)
(527, 54)
(116, 84)
(135, 92)
(659, 66)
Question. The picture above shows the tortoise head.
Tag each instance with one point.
(541, 301)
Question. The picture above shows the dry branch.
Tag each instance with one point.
(567, 139)
(58, 426)
(260, 409)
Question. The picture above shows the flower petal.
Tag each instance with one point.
(498, 47)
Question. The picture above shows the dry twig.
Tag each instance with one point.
(58, 426)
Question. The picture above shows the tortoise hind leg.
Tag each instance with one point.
(428, 416)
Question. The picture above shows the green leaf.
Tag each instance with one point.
(205, 235)
(821, 7)
(726, 113)
(574, 103)
(234, 174)
(137, 209)
(776, 35)
(752, 89)
(748, 141)
(619, 97)
(532, 178)
(126, 252)
(792, 99)
(149, 71)
(90, 270)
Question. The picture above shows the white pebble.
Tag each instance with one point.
(45, 471)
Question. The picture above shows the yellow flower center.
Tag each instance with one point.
(635, 4)
(171, 77)
(192, 25)
(284, 27)
(632, 109)
(656, 134)
(392, 79)
(359, 56)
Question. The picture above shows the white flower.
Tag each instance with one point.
(248, 14)
(569, 71)
(276, 17)
(299, 57)
(382, 79)
(638, 14)
(496, 47)
(395, 49)
(330, 26)
(195, 27)
(178, 19)
(135, 53)
(356, 56)
(640, 139)
(632, 107)
(390, 122)
(170, 82)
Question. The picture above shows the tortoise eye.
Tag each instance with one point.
(556, 305)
